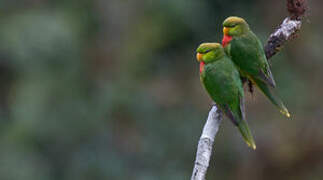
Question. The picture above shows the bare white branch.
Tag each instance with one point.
(287, 28)
(204, 148)
(286, 31)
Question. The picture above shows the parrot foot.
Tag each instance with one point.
(250, 85)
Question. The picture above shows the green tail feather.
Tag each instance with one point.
(242, 125)
(274, 99)
(246, 134)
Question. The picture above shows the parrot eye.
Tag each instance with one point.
(231, 25)
(208, 50)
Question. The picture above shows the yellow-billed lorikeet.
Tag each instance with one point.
(222, 81)
(247, 53)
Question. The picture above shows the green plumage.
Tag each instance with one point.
(222, 81)
(246, 51)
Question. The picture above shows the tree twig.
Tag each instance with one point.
(204, 148)
(285, 32)
(288, 29)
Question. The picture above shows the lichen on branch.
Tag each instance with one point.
(288, 29)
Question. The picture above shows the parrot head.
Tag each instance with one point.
(235, 26)
(209, 52)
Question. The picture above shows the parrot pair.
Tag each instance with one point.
(224, 68)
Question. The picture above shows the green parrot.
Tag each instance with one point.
(222, 81)
(247, 53)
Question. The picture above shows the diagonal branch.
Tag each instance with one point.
(285, 32)
(288, 29)
(204, 148)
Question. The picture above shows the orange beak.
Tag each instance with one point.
(199, 57)
(226, 30)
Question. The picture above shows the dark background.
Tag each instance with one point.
(109, 89)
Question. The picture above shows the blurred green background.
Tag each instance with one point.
(97, 89)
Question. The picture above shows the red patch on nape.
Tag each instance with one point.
(226, 40)
(202, 64)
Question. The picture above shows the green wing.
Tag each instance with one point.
(248, 54)
(222, 81)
